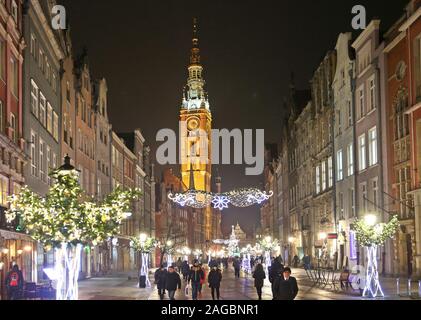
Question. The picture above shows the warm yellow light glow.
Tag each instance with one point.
(169, 243)
(370, 219)
(322, 236)
(291, 239)
(268, 239)
(27, 248)
(143, 237)
(20, 252)
(5, 251)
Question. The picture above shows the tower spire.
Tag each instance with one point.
(195, 51)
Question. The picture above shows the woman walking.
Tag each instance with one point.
(259, 279)
(214, 280)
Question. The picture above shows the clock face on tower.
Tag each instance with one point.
(193, 124)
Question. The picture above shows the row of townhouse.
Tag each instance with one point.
(352, 149)
(51, 106)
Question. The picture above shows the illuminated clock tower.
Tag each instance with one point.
(195, 132)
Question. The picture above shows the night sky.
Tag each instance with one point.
(248, 48)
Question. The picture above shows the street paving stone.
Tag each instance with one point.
(121, 288)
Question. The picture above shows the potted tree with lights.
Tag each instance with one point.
(63, 221)
(371, 235)
(143, 245)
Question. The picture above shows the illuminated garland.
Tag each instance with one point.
(241, 198)
(368, 235)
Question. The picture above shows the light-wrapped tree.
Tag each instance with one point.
(63, 221)
(143, 245)
(371, 236)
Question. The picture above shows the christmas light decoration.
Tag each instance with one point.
(268, 244)
(220, 202)
(144, 245)
(63, 221)
(372, 235)
(233, 250)
(241, 198)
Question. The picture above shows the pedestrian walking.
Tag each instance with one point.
(203, 280)
(172, 282)
(236, 265)
(195, 277)
(286, 287)
(160, 278)
(14, 283)
(295, 261)
(179, 264)
(259, 279)
(185, 269)
(214, 280)
(275, 272)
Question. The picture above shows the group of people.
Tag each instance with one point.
(284, 287)
(194, 276)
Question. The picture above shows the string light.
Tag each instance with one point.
(240, 198)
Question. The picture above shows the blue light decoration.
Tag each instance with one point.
(220, 202)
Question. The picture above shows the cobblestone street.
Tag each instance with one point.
(121, 288)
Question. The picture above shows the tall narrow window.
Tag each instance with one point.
(42, 161)
(42, 109)
(33, 45)
(340, 168)
(330, 171)
(49, 118)
(339, 114)
(350, 155)
(55, 126)
(318, 179)
(34, 99)
(49, 165)
(372, 146)
(375, 188)
(34, 167)
(324, 176)
(362, 153)
(13, 128)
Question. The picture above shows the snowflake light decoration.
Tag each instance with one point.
(220, 202)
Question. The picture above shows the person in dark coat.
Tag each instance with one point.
(185, 270)
(179, 264)
(172, 282)
(196, 276)
(259, 279)
(160, 277)
(286, 287)
(236, 265)
(275, 272)
(14, 283)
(214, 280)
